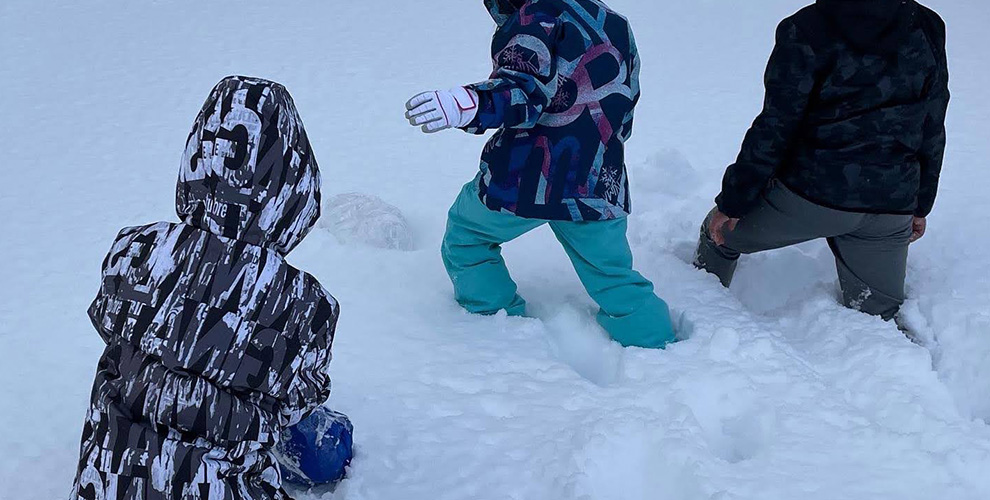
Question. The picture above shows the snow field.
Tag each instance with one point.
(779, 393)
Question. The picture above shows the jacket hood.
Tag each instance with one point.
(503, 10)
(871, 26)
(248, 172)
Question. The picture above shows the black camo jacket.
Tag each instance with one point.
(854, 116)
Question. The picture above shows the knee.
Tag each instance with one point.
(453, 252)
(727, 251)
(452, 248)
(705, 234)
(456, 234)
(460, 250)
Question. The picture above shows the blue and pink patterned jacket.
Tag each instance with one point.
(562, 95)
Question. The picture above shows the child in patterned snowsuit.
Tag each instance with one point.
(214, 343)
(561, 100)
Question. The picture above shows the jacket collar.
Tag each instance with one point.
(503, 10)
(871, 26)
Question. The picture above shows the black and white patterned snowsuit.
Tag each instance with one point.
(214, 343)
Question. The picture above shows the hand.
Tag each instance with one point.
(918, 228)
(717, 226)
(442, 109)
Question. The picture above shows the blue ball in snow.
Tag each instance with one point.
(318, 450)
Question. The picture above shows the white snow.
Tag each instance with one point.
(779, 393)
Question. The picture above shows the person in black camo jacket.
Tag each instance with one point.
(849, 147)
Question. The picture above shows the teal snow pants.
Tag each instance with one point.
(630, 311)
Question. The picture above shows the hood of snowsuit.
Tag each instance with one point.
(248, 172)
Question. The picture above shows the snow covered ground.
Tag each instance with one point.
(778, 394)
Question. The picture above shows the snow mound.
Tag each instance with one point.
(666, 172)
(356, 218)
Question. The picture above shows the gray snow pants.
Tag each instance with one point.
(871, 250)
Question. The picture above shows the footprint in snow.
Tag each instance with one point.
(578, 340)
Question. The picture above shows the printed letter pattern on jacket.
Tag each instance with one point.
(214, 343)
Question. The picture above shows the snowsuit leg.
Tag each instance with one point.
(630, 310)
(472, 254)
(871, 250)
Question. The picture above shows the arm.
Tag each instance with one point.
(110, 277)
(525, 76)
(790, 81)
(310, 387)
(933, 147)
(635, 64)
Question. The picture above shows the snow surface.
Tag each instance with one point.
(356, 218)
(779, 393)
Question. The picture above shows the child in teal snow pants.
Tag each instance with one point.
(561, 97)
(630, 311)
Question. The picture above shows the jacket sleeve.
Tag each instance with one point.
(97, 311)
(790, 82)
(525, 77)
(635, 64)
(933, 147)
(310, 386)
(110, 279)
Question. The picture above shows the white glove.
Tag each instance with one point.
(442, 109)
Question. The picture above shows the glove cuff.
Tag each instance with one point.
(467, 104)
